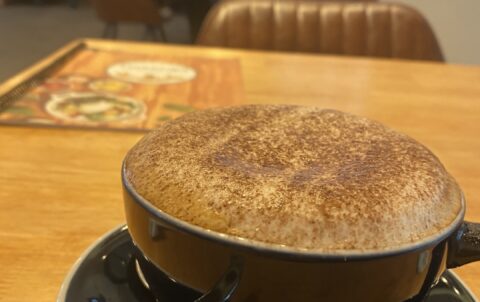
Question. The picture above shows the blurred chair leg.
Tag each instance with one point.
(150, 33)
(110, 30)
(162, 33)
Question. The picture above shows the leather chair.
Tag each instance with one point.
(146, 12)
(346, 28)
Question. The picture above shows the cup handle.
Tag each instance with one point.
(224, 289)
(464, 245)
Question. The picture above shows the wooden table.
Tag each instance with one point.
(60, 189)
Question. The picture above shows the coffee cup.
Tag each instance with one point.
(290, 203)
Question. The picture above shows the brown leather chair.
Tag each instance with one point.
(146, 12)
(347, 28)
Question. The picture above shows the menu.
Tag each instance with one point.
(122, 90)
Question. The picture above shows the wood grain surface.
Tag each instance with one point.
(60, 189)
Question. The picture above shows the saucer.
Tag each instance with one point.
(108, 272)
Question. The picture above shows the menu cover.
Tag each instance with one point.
(113, 89)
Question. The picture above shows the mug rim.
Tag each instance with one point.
(288, 251)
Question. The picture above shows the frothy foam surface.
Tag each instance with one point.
(297, 176)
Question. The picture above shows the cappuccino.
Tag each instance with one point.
(301, 177)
